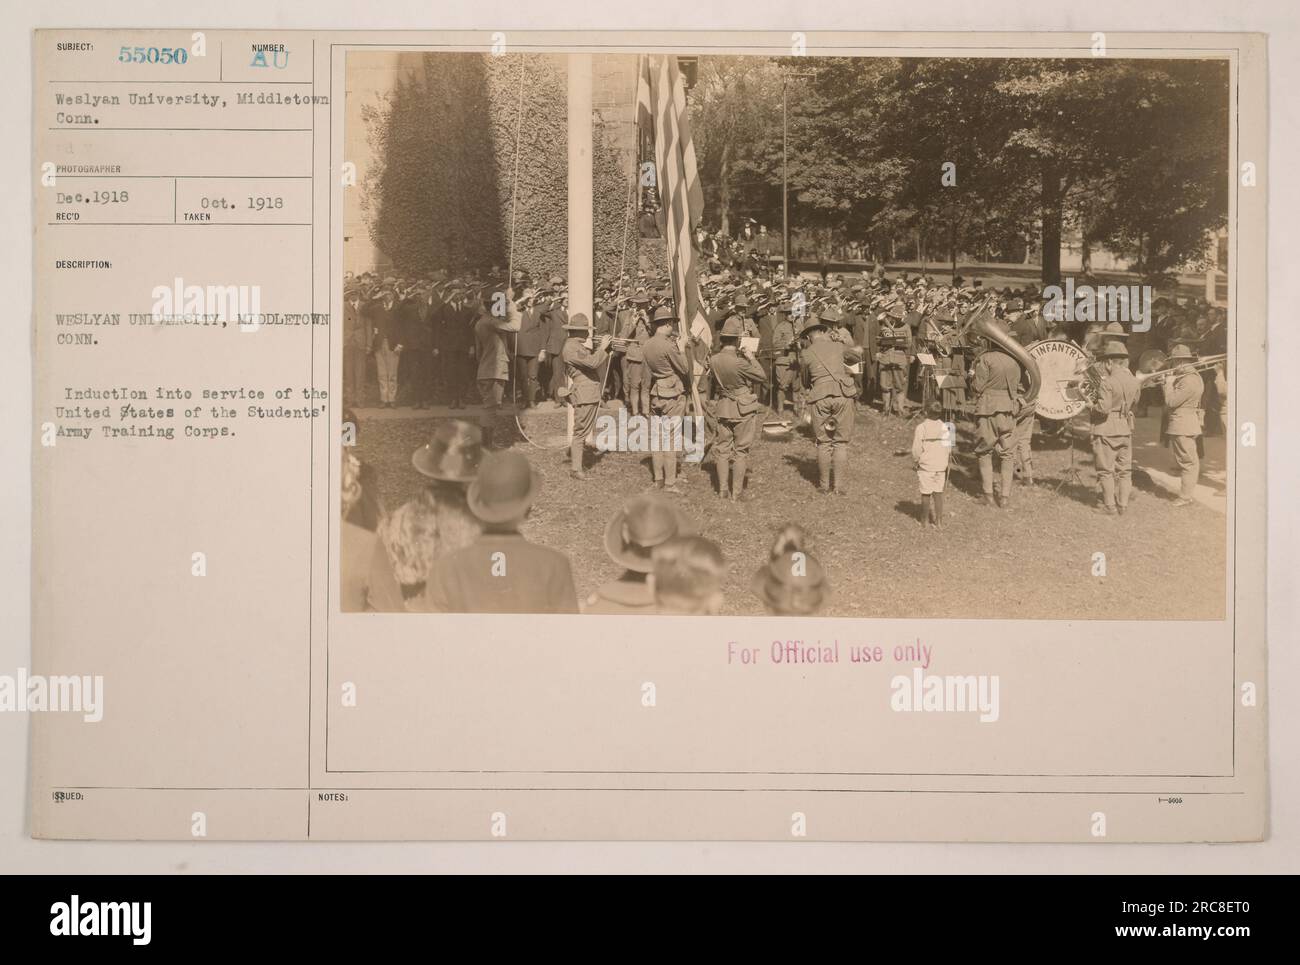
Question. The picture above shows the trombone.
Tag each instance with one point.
(1153, 367)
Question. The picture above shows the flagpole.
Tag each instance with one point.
(581, 294)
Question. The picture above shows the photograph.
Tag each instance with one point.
(883, 337)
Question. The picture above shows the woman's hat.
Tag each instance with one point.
(453, 454)
(504, 489)
(643, 523)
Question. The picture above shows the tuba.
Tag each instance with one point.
(982, 324)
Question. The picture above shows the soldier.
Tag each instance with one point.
(634, 325)
(669, 374)
(490, 334)
(768, 320)
(952, 394)
(1024, 332)
(895, 337)
(830, 393)
(786, 361)
(1112, 427)
(742, 308)
(584, 358)
(996, 384)
(1182, 422)
(737, 374)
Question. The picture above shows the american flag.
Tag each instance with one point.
(661, 112)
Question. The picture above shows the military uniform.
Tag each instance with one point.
(953, 395)
(830, 393)
(1183, 428)
(583, 366)
(736, 411)
(1112, 437)
(493, 370)
(633, 326)
(997, 391)
(786, 362)
(895, 337)
(668, 371)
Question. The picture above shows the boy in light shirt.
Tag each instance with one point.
(930, 448)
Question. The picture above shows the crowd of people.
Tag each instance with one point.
(766, 352)
(457, 547)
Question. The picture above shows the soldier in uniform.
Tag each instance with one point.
(634, 325)
(996, 383)
(895, 337)
(583, 364)
(737, 374)
(830, 393)
(952, 396)
(669, 374)
(1182, 422)
(1024, 332)
(490, 334)
(1112, 427)
(785, 361)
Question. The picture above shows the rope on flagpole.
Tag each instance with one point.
(510, 257)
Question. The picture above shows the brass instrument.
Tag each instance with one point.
(1154, 367)
(982, 324)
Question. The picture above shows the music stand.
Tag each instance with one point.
(1072, 473)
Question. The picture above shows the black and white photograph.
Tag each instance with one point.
(939, 337)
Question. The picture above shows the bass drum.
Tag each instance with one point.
(1063, 366)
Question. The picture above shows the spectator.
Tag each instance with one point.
(502, 572)
(688, 574)
(793, 582)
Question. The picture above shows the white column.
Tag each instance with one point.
(580, 195)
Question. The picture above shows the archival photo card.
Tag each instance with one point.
(650, 436)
